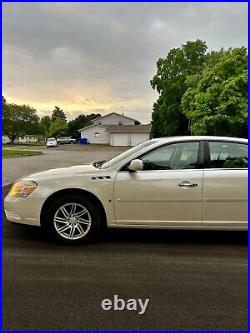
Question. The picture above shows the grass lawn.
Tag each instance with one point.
(10, 152)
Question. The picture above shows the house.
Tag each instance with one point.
(5, 139)
(117, 130)
(27, 139)
(24, 139)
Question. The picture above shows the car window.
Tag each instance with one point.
(228, 155)
(127, 153)
(182, 155)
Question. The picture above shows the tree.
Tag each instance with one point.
(218, 104)
(45, 123)
(58, 128)
(80, 122)
(58, 114)
(19, 120)
(170, 83)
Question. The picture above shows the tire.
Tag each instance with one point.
(84, 227)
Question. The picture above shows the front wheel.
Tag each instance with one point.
(73, 219)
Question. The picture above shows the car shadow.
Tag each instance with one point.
(176, 236)
(139, 236)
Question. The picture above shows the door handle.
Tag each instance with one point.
(187, 184)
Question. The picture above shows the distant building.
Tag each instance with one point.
(117, 130)
(24, 139)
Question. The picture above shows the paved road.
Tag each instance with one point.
(195, 280)
(63, 156)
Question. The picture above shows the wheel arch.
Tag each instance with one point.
(78, 191)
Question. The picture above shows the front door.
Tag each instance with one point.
(168, 191)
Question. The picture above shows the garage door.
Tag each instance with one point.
(137, 138)
(120, 139)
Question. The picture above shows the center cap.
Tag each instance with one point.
(73, 220)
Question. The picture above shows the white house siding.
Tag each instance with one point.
(22, 139)
(127, 139)
(114, 119)
(5, 139)
(27, 139)
(95, 134)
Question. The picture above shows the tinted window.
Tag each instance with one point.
(228, 155)
(175, 156)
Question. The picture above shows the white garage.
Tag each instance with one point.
(128, 135)
(137, 138)
(119, 139)
(117, 130)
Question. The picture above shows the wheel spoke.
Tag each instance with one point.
(64, 211)
(73, 209)
(72, 231)
(64, 227)
(82, 212)
(83, 221)
(80, 229)
(60, 219)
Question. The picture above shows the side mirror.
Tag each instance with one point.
(136, 165)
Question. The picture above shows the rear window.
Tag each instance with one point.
(228, 155)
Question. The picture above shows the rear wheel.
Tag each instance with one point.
(73, 219)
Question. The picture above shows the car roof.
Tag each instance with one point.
(200, 138)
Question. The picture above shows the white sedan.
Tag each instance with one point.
(51, 142)
(189, 182)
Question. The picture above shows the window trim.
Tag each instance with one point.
(207, 155)
(199, 165)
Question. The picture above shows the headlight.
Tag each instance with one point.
(22, 188)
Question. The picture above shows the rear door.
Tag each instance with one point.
(225, 185)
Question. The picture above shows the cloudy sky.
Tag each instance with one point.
(89, 57)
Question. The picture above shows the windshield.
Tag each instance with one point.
(126, 154)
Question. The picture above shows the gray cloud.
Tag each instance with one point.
(104, 54)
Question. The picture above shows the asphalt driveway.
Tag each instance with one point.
(62, 156)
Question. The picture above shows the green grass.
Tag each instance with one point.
(31, 144)
(19, 152)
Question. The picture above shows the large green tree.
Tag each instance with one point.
(19, 120)
(58, 128)
(45, 123)
(171, 83)
(58, 114)
(217, 104)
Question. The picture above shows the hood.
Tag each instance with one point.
(78, 170)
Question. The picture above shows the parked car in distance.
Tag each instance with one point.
(193, 182)
(51, 142)
(65, 140)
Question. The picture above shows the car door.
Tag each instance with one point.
(225, 185)
(167, 192)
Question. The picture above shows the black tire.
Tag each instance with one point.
(49, 225)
